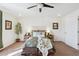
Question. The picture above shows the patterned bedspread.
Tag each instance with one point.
(43, 44)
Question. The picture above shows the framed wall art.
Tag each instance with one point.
(55, 25)
(8, 25)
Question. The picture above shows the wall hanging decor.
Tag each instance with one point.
(8, 25)
(55, 25)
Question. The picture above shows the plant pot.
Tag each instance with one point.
(18, 40)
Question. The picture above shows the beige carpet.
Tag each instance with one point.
(61, 49)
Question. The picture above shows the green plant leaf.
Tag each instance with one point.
(18, 28)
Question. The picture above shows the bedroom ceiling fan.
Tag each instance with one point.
(40, 5)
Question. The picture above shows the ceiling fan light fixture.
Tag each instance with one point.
(40, 6)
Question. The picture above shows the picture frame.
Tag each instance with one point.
(55, 26)
(8, 25)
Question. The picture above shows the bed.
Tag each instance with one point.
(38, 45)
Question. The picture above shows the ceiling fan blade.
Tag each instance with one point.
(31, 6)
(45, 5)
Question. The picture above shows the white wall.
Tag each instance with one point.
(71, 28)
(59, 34)
(8, 36)
(31, 21)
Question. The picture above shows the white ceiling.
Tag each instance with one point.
(20, 9)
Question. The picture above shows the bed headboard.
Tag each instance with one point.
(35, 33)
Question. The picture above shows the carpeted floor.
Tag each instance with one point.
(61, 49)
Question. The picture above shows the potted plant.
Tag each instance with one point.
(18, 31)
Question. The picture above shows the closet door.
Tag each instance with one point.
(1, 45)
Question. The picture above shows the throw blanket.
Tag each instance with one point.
(44, 45)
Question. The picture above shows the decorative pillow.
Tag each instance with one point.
(32, 42)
